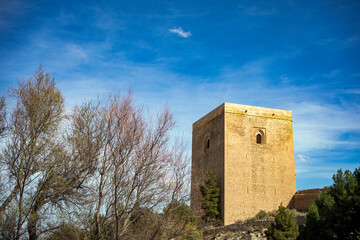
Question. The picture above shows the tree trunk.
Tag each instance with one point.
(32, 226)
(18, 229)
(32, 221)
(97, 216)
(116, 210)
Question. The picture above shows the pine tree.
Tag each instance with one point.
(210, 197)
(336, 211)
(284, 227)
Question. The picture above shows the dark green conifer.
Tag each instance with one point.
(336, 211)
(284, 227)
(210, 197)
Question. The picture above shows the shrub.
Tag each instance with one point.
(68, 231)
(261, 214)
(284, 227)
(182, 223)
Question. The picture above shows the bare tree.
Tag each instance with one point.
(177, 182)
(87, 137)
(3, 128)
(46, 170)
(37, 114)
(69, 166)
(138, 166)
(107, 160)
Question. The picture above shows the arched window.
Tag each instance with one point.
(258, 138)
(208, 143)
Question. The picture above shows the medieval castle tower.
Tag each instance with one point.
(251, 151)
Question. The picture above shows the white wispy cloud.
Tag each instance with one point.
(179, 31)
(257, 11)
(303, 158)
(353, 39)
(354, 91)
(319, 126)
(332, 73)
(76, 51)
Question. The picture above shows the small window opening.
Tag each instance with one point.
(258, 138)
(208, 143)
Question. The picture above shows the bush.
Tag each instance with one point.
(284, 227)
(68, 231)
(261, 214)
(182, 223)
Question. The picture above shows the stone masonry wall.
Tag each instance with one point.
(210, 127)
(302, 199)
(257, 176)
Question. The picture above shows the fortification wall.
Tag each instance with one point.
(302, 199)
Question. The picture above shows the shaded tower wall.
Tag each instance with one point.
(207, 153)
(252, 175)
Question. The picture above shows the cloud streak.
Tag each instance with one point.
(303, 158)
(179, 31)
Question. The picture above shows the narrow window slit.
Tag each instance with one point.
(258, 138)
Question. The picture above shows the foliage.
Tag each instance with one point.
(176, 221)
(191, 232)
(184, 222)
(210, 197)
(284, 227)
(68, 231)
(144, 222)
(261, 214)
(336, 211)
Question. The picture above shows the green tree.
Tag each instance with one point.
(284, 227)
(68, 231)
(336, 211)
(185, 215)
(210, 197)
(182, 222)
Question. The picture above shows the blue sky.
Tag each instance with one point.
(302, 56)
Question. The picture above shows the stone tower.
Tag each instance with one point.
(251, 151)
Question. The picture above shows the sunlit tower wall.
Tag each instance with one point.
(251, 151)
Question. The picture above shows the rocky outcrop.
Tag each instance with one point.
(254, 229)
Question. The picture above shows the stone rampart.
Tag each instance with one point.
(302, 199)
